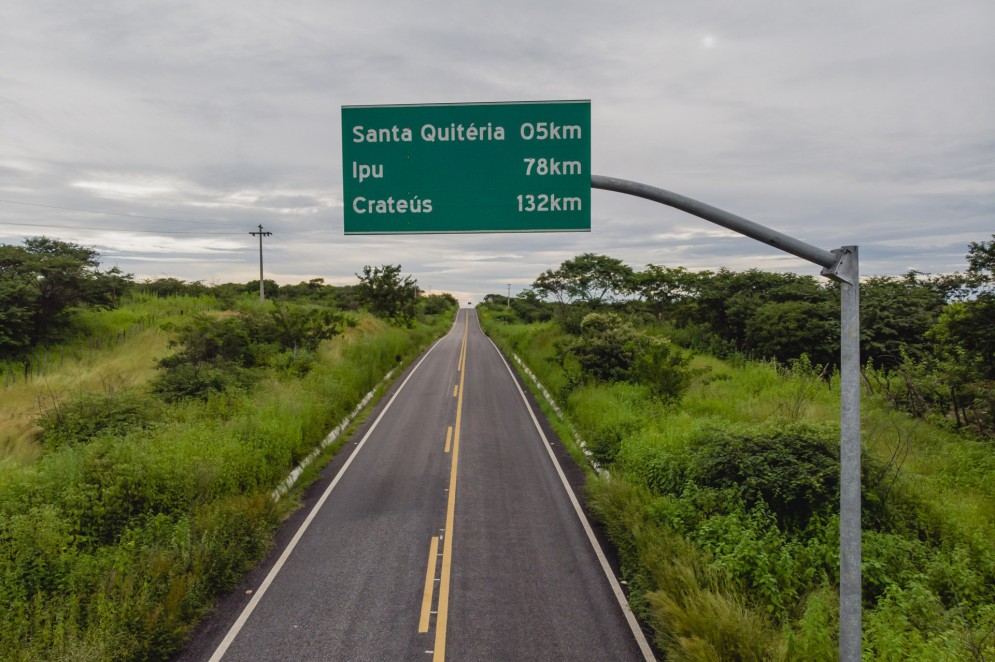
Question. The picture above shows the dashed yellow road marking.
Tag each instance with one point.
(442, 619)
(426, 601)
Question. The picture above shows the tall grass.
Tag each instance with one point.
(113, 548)
(106, 351)
(717, 577)
(126, 365)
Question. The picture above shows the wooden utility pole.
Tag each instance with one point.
(262, 293)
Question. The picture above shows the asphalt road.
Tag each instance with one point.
(444, 530)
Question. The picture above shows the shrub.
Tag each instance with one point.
(610, 350)
(672, 587)
(200, 380)
(85, 416)
(793, 469)
(297, 327)
(664, 368)
(207, 339)
(214, 353)
(607, 347)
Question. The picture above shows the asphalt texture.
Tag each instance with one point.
(514, 575)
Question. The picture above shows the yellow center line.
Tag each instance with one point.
(439, 651)
(426, 601)
(455, 389)
(449, 438)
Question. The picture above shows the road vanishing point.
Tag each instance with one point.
(445, 529)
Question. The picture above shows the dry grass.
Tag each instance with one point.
(127, 365)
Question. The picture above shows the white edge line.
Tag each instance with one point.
(291, 478)
(257, 596)
(637, 632)
(559, 412)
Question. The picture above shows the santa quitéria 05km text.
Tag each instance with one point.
(466, 168)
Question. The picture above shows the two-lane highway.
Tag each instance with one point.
(448, 533)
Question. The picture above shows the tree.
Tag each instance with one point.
(895, 315)
(529, 307)
(589, 279)
(295, 326)
(434, 304)
(960, 373)
(270, 288)
(787, 330)
(40, 284)
(19, 292)
(728, 302)
(386, 294)
(981, 265)
(664, 289)
(62, 268)
(164, 287)
(967, 328)
(585, 282)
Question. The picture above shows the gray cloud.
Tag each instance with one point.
(837, 123)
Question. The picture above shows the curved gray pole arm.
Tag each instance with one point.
(733, 222)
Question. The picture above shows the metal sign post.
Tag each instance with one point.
(840, 265)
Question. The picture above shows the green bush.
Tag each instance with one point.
(215, 354)
(692, 611)
(794, 469)
(297, 363)
(610, 350)
(207, 339)
(81, 418)
(200, 380)
(724, 511)
(296, 327)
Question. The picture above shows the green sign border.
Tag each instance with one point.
(480, 167)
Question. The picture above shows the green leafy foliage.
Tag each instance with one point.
(216, 354)
(896, 313)
(666, 291)
(87, 415)
(387, 294)
(933, 337)
(737, 305)
(611, 350)
(113, 548)
(528, 306)
(791, 469)
(586, 283)
(436, 304)
(200, 380)
(297, 326)
(724, 510)
(209, 339)
(786, 330)
(41, 283)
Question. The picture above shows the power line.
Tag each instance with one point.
(109, 213)
(83, 227)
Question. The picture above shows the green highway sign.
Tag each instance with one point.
(479, 167)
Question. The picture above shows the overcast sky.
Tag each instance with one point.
(837, 122)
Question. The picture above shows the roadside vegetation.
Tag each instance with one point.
(710, 401)
(143, 432)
